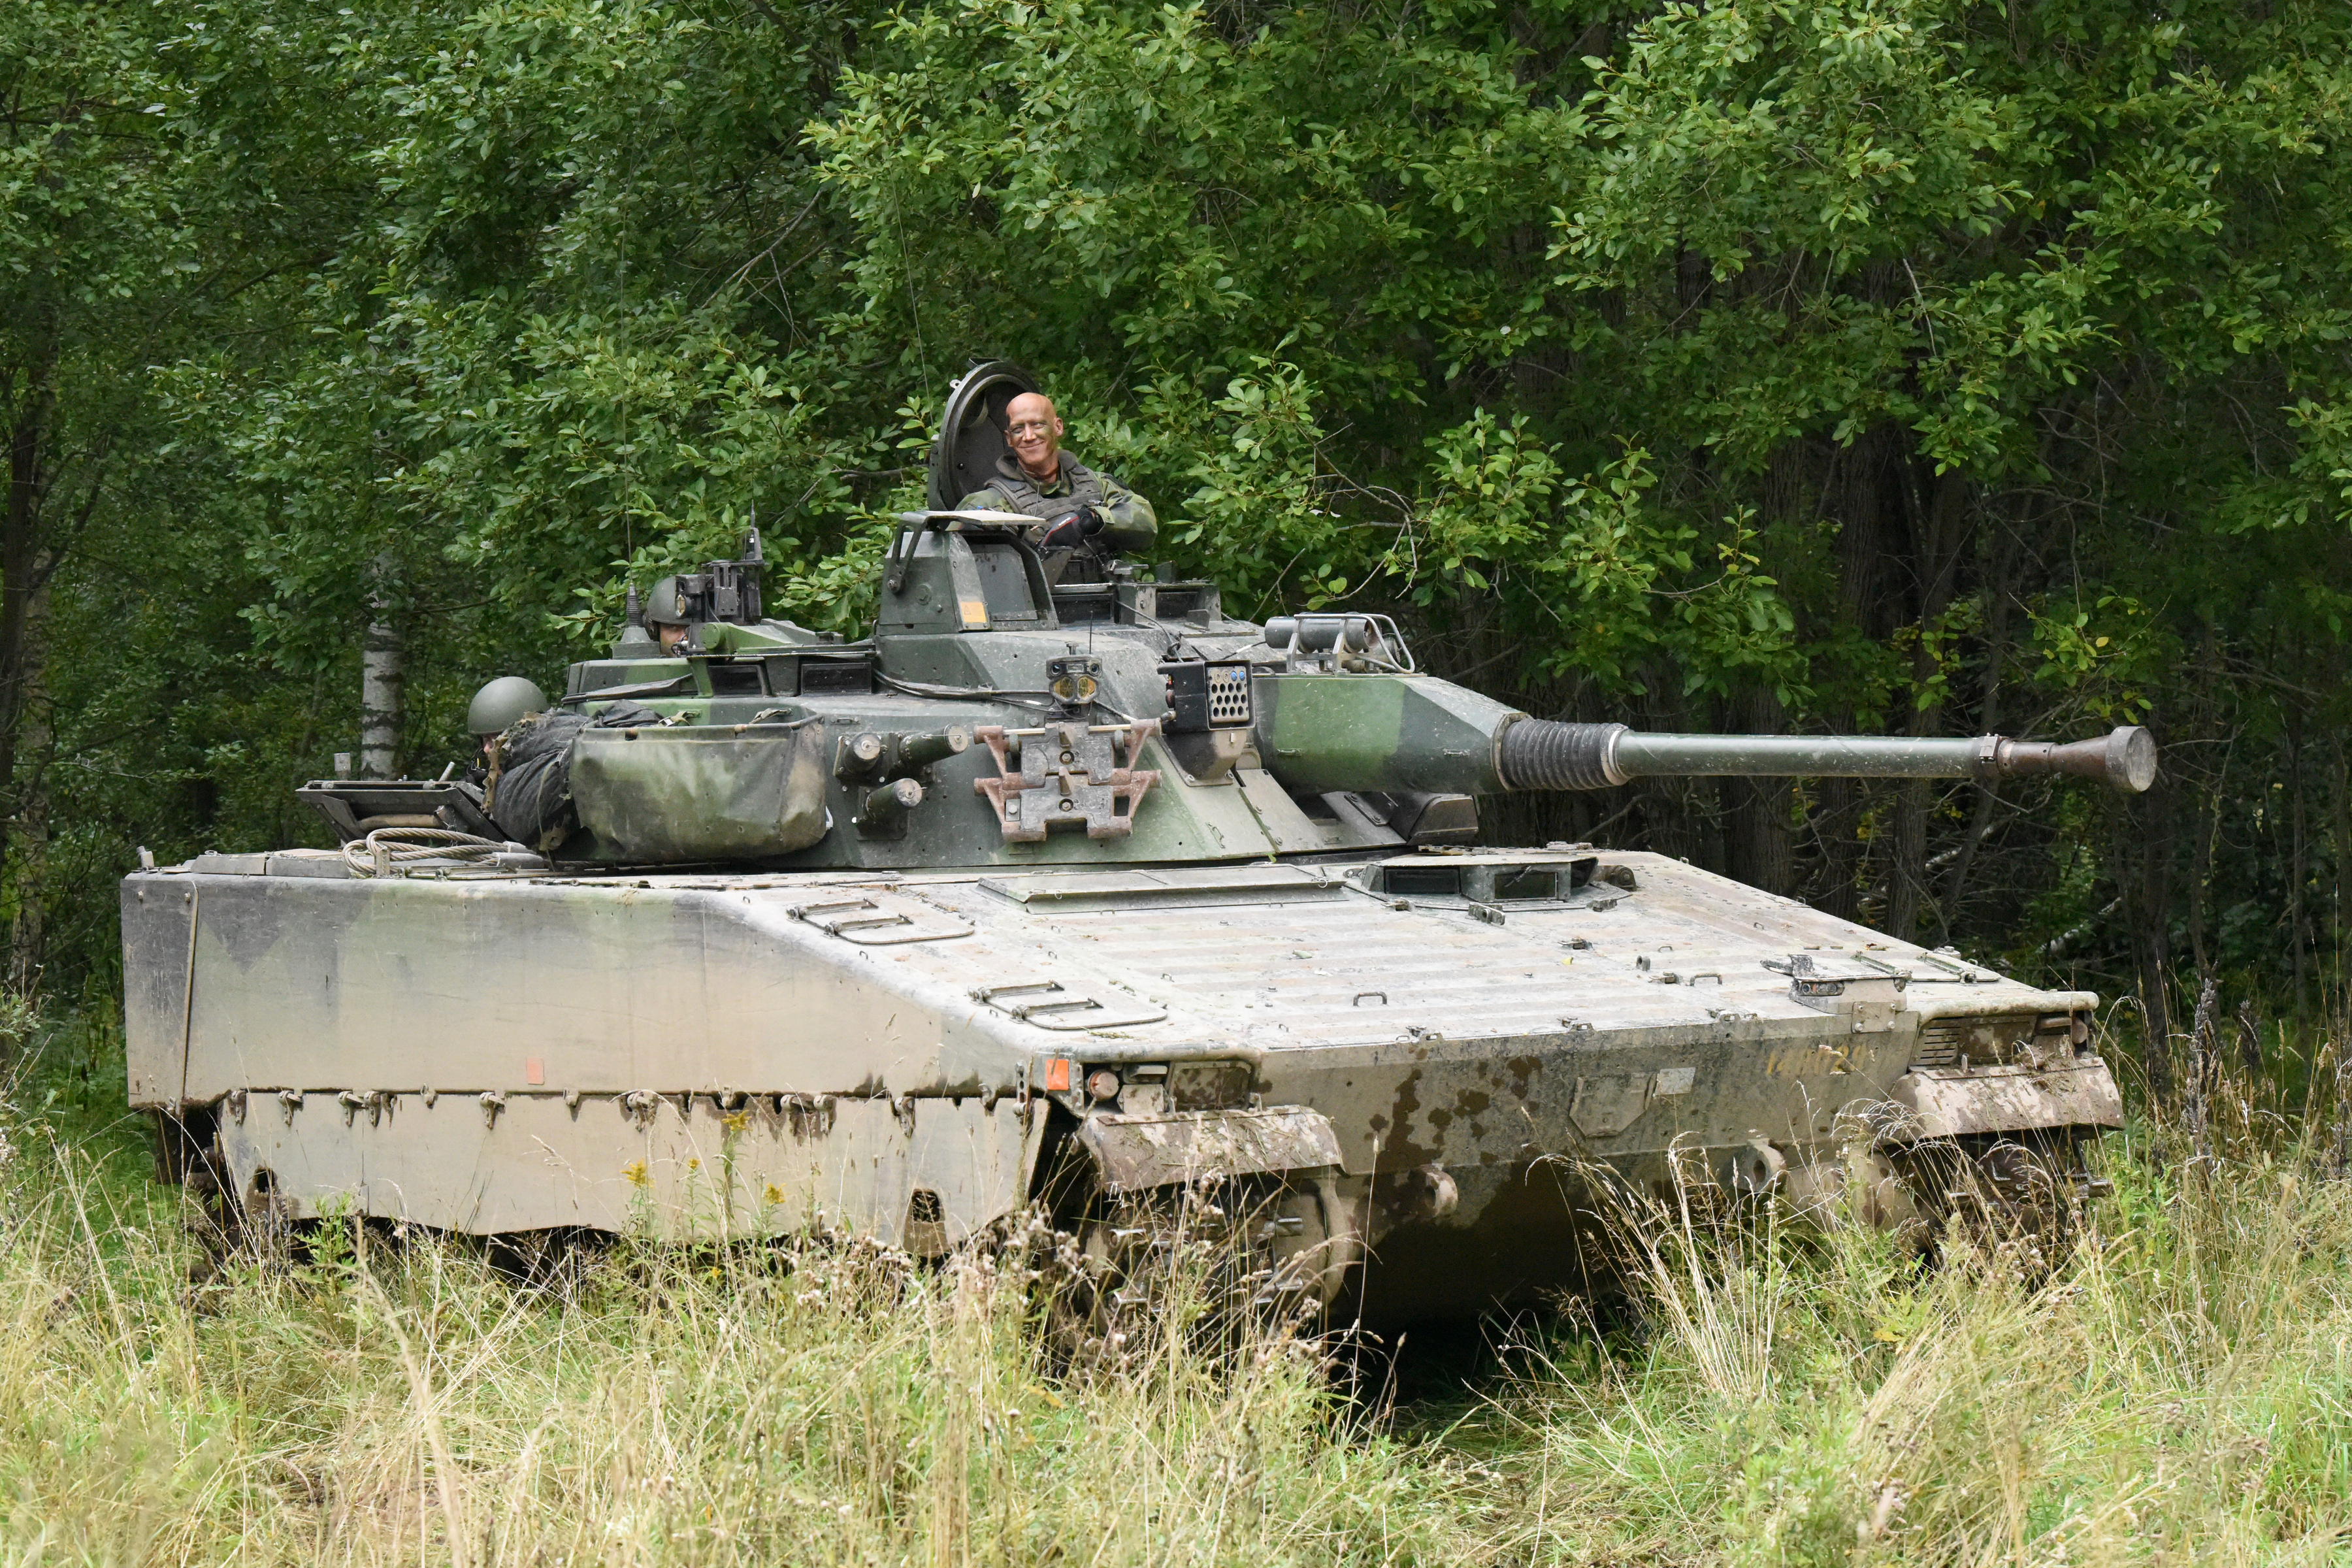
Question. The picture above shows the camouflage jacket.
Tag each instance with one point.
(1129, 522)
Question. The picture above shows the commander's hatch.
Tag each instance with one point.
(971, 432)
(964, 458)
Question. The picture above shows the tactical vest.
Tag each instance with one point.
(1021, 495)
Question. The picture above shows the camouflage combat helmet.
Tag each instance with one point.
(667, 604)
(502, 702)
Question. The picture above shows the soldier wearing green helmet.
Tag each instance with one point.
(499, 706)
(502, 702)
(666, 615)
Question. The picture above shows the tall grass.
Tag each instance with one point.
(399, 1401)
(2178, 1390)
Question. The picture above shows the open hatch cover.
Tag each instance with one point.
(971, 431)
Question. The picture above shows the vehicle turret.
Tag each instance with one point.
(994, 716)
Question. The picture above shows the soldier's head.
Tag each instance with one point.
(1033, 431)
(665, 614)
(501, 704)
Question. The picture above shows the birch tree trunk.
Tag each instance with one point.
(382, 678)
(382, 682)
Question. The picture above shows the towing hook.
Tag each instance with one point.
(1432, 1191)
(1755, 1169)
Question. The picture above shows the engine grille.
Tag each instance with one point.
(1986, 1041)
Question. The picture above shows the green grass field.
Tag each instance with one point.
(2180, 1391)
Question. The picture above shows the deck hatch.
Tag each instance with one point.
(1208, 885)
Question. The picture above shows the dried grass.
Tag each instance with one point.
(2180, 1390)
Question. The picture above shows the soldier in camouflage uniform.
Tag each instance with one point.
(1085, 518)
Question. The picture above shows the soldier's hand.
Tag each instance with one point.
(1067, 530)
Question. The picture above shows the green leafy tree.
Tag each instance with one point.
(1904, 364)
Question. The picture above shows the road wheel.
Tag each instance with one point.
(1226, 1265)
(2012, 1198)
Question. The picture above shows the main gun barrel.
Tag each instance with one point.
(1538, 754)
(1323, 731)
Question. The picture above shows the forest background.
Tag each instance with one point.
(1899, 365)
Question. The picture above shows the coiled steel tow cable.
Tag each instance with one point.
(388, 849)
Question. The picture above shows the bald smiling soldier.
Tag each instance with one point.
(1085, 517)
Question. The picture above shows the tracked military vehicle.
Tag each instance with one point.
(1091, 893)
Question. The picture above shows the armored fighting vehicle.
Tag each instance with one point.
(1091, 894)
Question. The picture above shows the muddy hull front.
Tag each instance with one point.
(910, 1058)
(1497, 1171)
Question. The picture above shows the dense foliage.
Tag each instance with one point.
(1895, 365)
